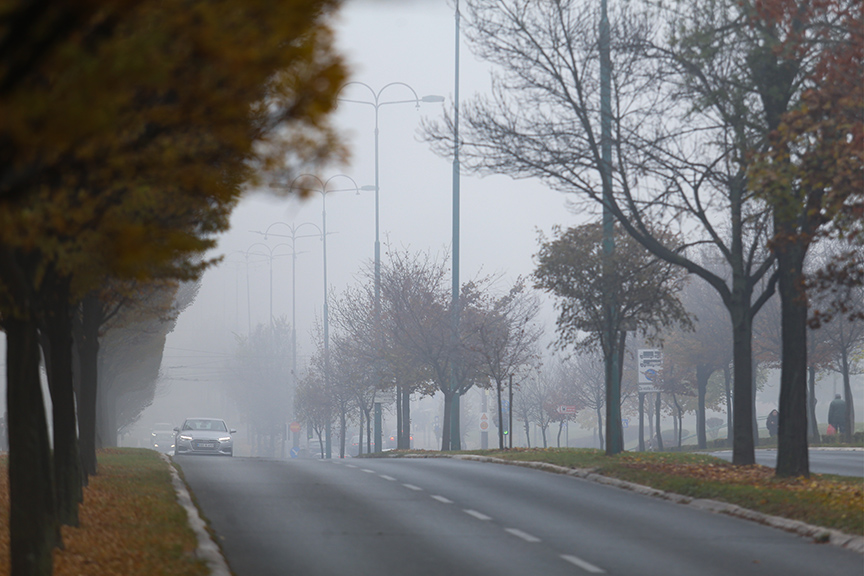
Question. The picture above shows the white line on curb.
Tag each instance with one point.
(207, 549)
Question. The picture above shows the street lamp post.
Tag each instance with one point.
(322, 189)
(270, 255)
(455, 430)
(376, 103)
(294, 236)
(614, 439)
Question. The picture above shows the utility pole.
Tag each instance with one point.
(614, 439)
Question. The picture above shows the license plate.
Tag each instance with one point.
(206, 445)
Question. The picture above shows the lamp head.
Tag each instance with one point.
(432, 98)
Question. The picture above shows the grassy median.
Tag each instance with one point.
(823, 499)
(130, 522)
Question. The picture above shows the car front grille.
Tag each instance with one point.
(206, 445)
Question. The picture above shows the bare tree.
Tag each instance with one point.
(416, 309)
(680, 139)
(507, 338)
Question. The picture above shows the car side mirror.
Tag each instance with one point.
(176, 429)
(233, 431)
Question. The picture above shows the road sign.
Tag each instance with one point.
(650, 366)
(625, 422)
(294, 452)
(565, 409)
(505, 405)
(295, 427)
(484, 422)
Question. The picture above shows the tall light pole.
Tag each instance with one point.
(614, 440)
(294, 236)
(455, 431)
(313, 183)
(376, 103)
(269, 254)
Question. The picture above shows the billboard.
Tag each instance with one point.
(650, 365)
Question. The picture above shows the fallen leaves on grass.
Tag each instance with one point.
(130, 523)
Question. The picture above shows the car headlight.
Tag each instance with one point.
(153, 434)
(185, 437)
(225, 439)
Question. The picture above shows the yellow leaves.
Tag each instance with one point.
(130, 523)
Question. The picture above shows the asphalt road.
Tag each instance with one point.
(822, 461)
(408, 517)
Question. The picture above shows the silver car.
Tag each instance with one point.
(204, 436)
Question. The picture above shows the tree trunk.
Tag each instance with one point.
(88, 353)
(455, 424)
(847, 394)
(703, 374)
(498, 386)
(33, 528)
(812, 424)
(405, 430)
(659, 429)
(343, 431)
(742, 399)
(600, 427)
(57, 329)
(727, 383)
(445, 424)
(792, 457)
(399, 445)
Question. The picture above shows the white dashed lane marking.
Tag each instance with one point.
(477, 515)
(368, 471)
(442, 499)
(587, 566)
(385, 477)
(523, 535)
(412, 487)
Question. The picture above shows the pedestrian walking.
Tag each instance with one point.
(837, 414)
(773, 423)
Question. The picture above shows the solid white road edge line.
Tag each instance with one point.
(207, 549)
(587, 566)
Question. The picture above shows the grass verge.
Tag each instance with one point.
(823, 499)
(130, 522)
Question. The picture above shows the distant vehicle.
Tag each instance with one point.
(204, 436)
(391, 441)
(162, 437)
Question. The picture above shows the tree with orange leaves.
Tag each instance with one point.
(127, 133)
(811, 169)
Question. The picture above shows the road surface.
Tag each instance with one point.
(437, 516)
(822, 461)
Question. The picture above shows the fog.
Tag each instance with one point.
(384, 42)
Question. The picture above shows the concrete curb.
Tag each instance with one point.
(207, 549)
(818, 533)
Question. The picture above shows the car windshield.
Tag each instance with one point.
(205, 424)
